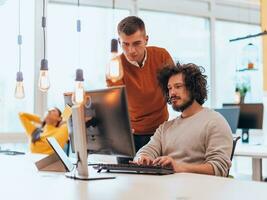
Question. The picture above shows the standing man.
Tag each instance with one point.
(140, 64)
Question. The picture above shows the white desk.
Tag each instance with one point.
(21, 180)
(257, 153)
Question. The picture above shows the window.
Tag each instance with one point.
(186, 38)
(9, 63)
(98, 28)
(229, 59)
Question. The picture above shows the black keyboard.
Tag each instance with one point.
(134, 168)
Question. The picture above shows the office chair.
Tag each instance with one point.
(235, 140)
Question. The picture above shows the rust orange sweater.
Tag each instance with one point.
(146, 104)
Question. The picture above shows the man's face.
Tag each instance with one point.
(179, 96)
(134, 45)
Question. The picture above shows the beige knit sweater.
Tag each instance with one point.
(202, 138)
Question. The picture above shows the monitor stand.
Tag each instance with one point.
(245, 135)
(80, 170)
(80, 173)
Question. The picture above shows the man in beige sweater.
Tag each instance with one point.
(197, 141)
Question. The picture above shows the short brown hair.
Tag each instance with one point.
(130, 25)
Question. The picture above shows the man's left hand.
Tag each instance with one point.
(165, 161)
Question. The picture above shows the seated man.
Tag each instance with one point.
(39, 130)
(197, 141)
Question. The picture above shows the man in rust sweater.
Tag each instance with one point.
(147, 105)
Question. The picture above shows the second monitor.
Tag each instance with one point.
(108, 129)
(251, 117)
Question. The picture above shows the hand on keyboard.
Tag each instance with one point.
(143, 160)
(165, 161)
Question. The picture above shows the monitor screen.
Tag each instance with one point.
(251, 115)
(231, 114)
(108, 131)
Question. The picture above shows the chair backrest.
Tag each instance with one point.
(231, 114)
(233, 149)
(234, 145)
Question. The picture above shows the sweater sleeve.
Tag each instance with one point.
(167, 59)
(219, 143)
(153, 148)
(28, 121)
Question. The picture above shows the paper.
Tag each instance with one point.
(66, 113)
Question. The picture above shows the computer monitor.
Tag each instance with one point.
(251, 117)
(109, 131)
(231, 114)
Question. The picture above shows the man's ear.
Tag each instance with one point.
(147, 39)
(119, 41)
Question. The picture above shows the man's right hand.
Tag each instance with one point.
(143, 160)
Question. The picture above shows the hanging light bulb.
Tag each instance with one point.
(44, 82)
(19, 90)
(250, 56)
(114, 69)
(78, 95)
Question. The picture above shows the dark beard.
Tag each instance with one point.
(184, 106)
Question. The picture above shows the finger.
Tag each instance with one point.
(140, 161)
(132, 162)
(166, 163)
(137, 161)
(149, 161)
(162, 160)
(157, 160)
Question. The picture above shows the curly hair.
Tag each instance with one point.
(195, 80)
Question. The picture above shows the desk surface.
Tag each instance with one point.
(21, 180)
(251, 150)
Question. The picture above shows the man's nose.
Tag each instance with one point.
(171, 92)
(131, 49)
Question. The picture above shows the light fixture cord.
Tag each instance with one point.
(44, 28)
(113, 17)
(19, 40)
(78, 29)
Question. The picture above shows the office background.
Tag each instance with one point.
(195, 31)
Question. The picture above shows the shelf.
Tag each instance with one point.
(246, 69)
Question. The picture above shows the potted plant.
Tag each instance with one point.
(241, 90)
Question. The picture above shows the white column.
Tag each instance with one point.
(212, 54)
(134, 8)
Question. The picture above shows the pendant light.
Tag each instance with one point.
(250, 55)
(19, 90)
(114, 71)
(44, 82)
(78, 94)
